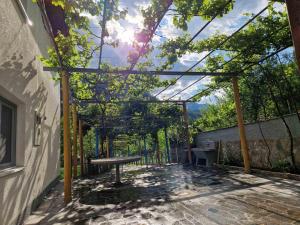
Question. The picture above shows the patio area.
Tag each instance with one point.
(174, 195)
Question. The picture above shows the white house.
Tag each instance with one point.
(29, 112)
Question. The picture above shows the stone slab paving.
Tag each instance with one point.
(174, 195)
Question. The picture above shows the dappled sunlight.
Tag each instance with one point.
(150, 112)
(173, 193)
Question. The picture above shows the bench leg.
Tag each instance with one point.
(118, 180)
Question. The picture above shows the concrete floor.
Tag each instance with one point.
(174, 195)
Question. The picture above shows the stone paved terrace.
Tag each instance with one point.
(174, 195)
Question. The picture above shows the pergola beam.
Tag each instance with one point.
(115, 119)
(138, 72)
(95, 101)
(116, 127)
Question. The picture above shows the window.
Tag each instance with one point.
(7, 133)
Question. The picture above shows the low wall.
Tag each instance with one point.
(269, 143)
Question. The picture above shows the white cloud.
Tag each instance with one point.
(137, 20)
(114, 27)
(206, 80)
(230, 22)
(213, 97)
(190, 59)
(94, 20)
(254, 6)
(116, 31)
(183, 83)
(167, 28)
(279, 7)
(222, 26)
(134, 16)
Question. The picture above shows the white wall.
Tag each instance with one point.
(23, 82)
(273, 131)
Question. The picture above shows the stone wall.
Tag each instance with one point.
(24, 83)
(273, 152)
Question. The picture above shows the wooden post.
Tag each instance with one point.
(219, 151)
(74, 141)
(81, 148)
(97, 143)
(67, 144)
(145, 152)
(107, 147)
(140, 149)
(111, 146)
(244, 144)
(186, 124)
(293, 8)
(167, 144)
(157, 150)
(176, 147)
(176, 151)
(101, 154)
(118, 180)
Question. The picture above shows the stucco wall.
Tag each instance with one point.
(261, 156)
(23, 82)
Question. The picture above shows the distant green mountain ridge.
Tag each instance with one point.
(194, 109)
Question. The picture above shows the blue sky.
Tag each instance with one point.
(123, 30)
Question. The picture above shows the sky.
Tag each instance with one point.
(123, 30)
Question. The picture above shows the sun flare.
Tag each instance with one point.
(126, 35)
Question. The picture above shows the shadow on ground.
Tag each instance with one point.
(176, 195)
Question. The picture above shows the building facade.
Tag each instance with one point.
(29, 111)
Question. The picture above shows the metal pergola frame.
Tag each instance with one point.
(96, 101)
(293, 13)
(219, 45)
(168, 73)
(172, 73)
(139, 72)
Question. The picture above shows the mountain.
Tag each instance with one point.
(194, 109)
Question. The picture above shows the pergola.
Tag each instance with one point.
(293, 7)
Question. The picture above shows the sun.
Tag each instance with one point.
(126, 35)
